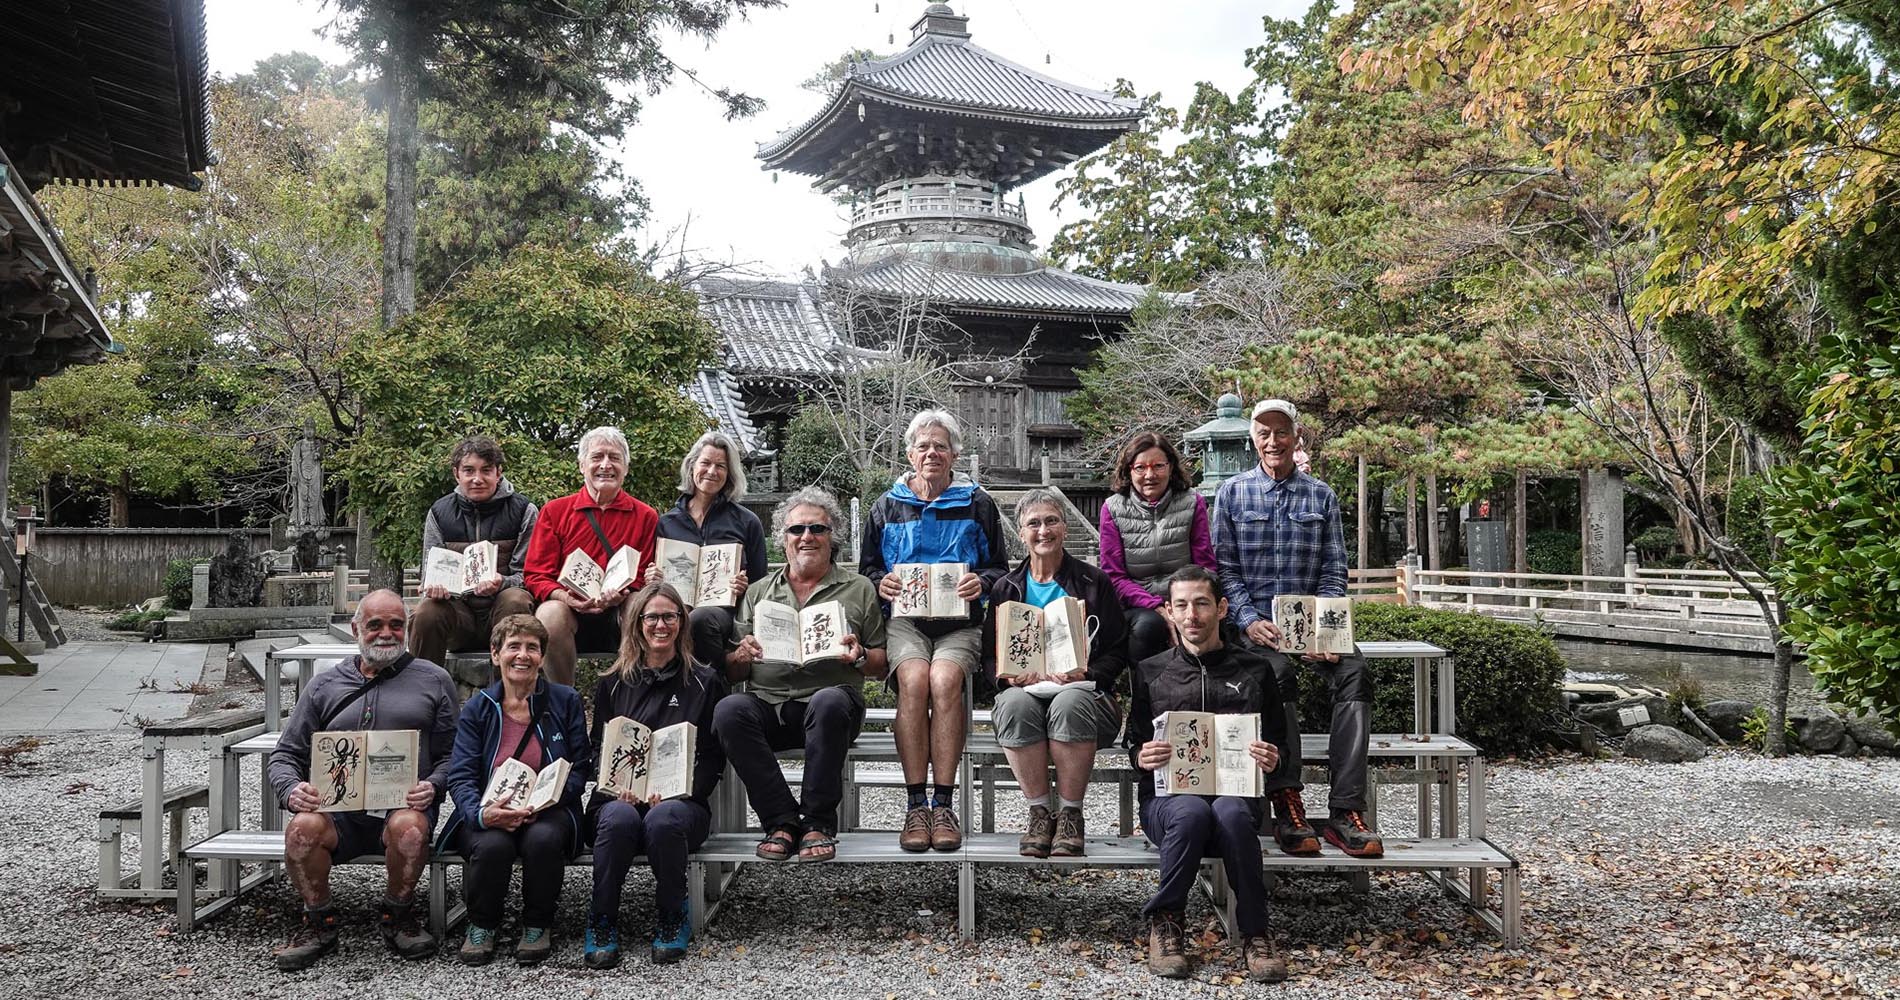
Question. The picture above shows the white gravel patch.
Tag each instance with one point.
(1601, 843)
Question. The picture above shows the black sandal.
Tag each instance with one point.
(777, 845)
(817, 840)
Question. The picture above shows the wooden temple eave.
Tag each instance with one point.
(48, 319)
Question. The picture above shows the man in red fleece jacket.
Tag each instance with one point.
(598, 520)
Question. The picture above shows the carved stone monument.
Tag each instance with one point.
(1602, 522)
(308, 527)
(236, 579)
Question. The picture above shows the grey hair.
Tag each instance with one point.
(734, 489)
(356, 618)
(810, 496)
(935, 418)
(609, 434)
(1036, 497)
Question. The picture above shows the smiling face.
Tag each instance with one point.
(930, 453)
(709, 471)
(807, 541)
(660, 627)
(1150, 473)
(519, 658)
(603, 469)
(477, 477)
(1042, 530)
(379, 627)
(1274, 440)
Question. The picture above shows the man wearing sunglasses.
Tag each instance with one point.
(819, 706)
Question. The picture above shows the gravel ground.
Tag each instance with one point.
(1736, 876)
(89, 625)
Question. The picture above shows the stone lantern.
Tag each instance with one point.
(1225, 444)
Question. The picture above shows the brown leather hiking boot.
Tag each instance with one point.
(403, 931)
(1166, 957)
(1262, 959)
(1040, 834)
(314, 938)
(946, 834)
(1070, 839)
(1347, 830)
(1290, 829)
(915, 836)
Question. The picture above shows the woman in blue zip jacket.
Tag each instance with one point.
(525, 717)
(657, 682)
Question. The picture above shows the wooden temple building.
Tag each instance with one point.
(929, 146)
(97, 92)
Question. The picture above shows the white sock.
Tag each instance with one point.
(1071, 803)
(1040, 800)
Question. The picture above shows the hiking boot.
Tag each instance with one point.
(478, 946)
(403, 931)
(915, 836)
(1069, 835)
(1040, 835)
(1290, 828)
(1166, 958)
(536, 946)
(314, 938)
(672, 932)
(1262, 959)
(1347, 830)
(945, 833)
(602, 950)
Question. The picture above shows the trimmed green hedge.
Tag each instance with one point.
(1508, 677)
(177, 583)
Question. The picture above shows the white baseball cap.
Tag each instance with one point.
(1266, 406)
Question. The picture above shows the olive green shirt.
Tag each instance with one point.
(776, 682)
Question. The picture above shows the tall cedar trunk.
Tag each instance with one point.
(402, 77)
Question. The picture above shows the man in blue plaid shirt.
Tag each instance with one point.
(1276, 531)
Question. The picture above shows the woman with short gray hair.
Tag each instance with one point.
(1063, 717)
(712, 481)
(933, 515)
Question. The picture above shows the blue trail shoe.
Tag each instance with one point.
(603, 941)
(671, 934)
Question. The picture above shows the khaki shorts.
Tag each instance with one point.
(905, 642)
(1022, 719)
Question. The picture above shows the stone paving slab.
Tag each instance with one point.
(102, 686)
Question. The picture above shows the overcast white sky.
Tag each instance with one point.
(698, 170)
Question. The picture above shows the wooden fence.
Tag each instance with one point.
(113, 567)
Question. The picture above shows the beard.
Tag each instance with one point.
(379, 656)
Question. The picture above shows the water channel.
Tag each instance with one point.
(1721, 675)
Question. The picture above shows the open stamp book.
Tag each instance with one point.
(701, 573)
(364, 769)
(461, 571)
(589, 579)
(526, 788)
(1047, 640)
(1210, 754)
(647, 762)
(802, 637)
(929, 590)
(1313, 624)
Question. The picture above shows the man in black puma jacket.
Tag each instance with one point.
(1201, 673)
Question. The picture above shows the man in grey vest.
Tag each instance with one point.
(484, 507)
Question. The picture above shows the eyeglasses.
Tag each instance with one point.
(816, 529)
(1155, 467)
(661, 618)
(1042, 524)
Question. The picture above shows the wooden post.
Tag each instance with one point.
(1431, 521)
(1365, 530)
(6, 469)
(1520, 523)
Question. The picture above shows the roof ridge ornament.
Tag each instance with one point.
(939, 19)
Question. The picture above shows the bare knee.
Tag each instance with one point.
(946, 684)
(406, 834)
(307, 833)
(558, 617)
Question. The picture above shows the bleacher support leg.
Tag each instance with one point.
(1513, 932)
(152, 816)
(966, 900)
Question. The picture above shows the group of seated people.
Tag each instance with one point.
(1181, 601)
